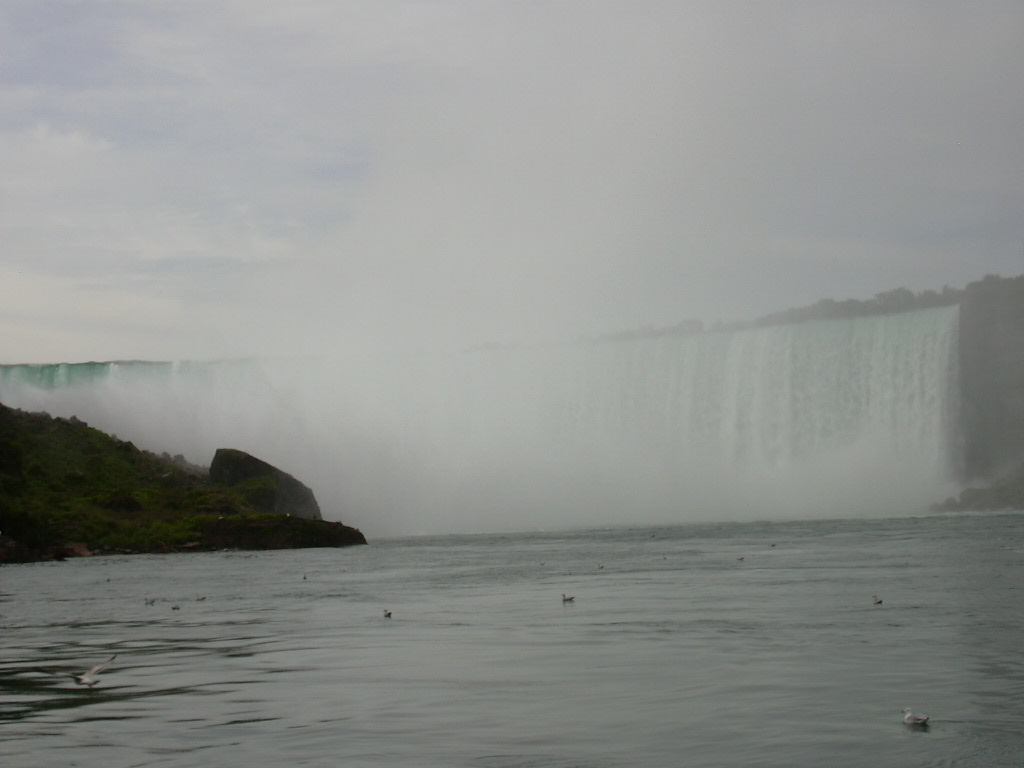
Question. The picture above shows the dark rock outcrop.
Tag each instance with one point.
(276, 533)
(267, 488)
(1005, 493)
(991, 351)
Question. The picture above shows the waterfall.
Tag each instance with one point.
(840, 417)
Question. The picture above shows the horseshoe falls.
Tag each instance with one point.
(839, 418)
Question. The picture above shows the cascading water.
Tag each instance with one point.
(843, 417)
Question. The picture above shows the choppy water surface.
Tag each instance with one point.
(675, 652)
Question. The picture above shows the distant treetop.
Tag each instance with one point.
(885, 303)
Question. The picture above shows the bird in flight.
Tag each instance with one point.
(91, 677)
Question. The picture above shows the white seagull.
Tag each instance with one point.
(913, 719)
(91, 677)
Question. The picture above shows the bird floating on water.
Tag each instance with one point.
(910, 718)
(877, 599)
(387, 614)
(567, 598)
(91, 677)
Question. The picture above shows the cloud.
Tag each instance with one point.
(458, 172)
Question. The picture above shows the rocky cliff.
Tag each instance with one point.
(67, 489)
(991, 370)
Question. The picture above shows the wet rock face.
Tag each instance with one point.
(991, 354)
(267, 488)
(276, 533)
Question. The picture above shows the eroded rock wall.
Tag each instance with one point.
(268, 488)
(991, 352)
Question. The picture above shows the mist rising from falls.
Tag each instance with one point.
(848, 417)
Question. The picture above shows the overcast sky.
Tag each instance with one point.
(218, 178)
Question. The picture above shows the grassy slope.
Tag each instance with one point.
(62, 481)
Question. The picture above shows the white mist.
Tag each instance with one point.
(839, 418)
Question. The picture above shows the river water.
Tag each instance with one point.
(742, 644)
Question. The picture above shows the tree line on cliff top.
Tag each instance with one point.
(884, 303)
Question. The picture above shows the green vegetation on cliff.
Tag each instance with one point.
(66, 488)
